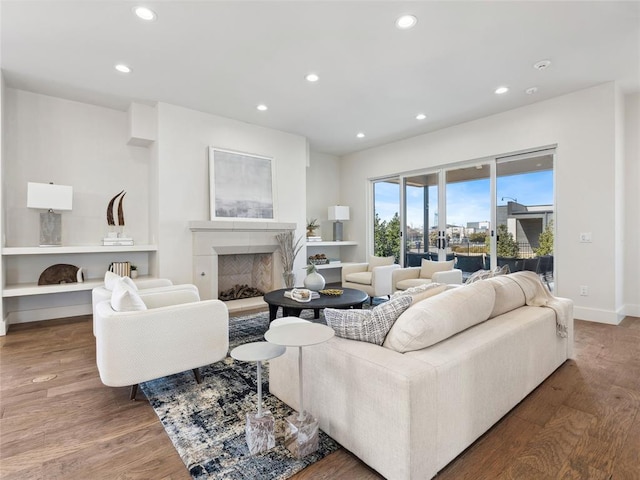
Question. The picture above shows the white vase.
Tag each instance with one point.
(314, 281)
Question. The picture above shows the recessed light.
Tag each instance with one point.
(312, 77)
(531, 91)
(360, 135)
(122, 68)
(542, 64)
(501, 90)
(406, 21)
(421, 116)
(262, 107)
(145, 13)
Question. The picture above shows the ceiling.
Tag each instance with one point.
(225, 58)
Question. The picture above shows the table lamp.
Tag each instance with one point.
(338, 213)
(49, 197)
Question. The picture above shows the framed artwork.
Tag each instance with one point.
(241, 185)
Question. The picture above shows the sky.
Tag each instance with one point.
(466, 201)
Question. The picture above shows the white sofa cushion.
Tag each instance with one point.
(434, 319)
(110, 280)
(380, 262)
(509, 295)
(429, 267)
(367, 325)
(363, 278)
(125, 298)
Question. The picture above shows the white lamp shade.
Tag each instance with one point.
(49, 196)
(338, 212)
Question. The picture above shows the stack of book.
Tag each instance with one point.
(116, 241)
(121, 268)
(314, 239)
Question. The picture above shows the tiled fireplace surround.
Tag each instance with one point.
(211, 239)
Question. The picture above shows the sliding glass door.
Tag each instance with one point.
(386, 218)
(421, 218)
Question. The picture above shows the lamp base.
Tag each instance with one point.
(337, 231)
(50, 229)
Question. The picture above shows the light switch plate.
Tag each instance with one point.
(585, 237)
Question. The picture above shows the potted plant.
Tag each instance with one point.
(312, 225)
(134, 271)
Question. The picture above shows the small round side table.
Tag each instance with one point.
(302, 434)
(260, 428)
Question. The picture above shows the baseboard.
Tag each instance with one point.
(4, 326)
(50, 313)
(597, 315)
(632, 310)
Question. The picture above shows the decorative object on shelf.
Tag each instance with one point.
(134, 271)
(61, 273)
(121, 268)
(115, 235)
(338, 213)
(49, 197)
(319, 259)
(289, 249)
(312, 226)
(313, 281)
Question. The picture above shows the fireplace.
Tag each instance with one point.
(244, 275)
(226, 253)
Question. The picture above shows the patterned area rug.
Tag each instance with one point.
(206, 422)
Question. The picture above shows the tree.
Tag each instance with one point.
(506, 245)
(478, 237)
(386, 237)
(545, 241)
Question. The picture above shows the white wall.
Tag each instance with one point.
(77, 144)
(582, 124)
(632, 200)
(3, 319)
(183, 179)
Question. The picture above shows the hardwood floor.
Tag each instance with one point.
(57, 420)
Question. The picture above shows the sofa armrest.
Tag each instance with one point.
(381, 279)
(144, 283)
(133, 347)
(452, 277)
(353, 268)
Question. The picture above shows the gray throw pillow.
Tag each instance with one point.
(367, 325)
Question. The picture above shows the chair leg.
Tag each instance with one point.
(196, 373)
(370, 301)
(134, 391)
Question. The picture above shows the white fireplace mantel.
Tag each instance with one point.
(239, 226)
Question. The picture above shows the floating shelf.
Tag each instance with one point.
(27, 289)
(77, 249)
(331, 244)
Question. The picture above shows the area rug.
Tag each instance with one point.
(206, 422)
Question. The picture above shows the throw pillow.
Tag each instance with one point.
(429, 267)
(485, 274)
(380, 262)
(110, 279)
(124, 298)
(437, 318)
(369, 326)
(421, 292)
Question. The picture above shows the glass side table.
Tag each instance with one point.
(301, 435)
(260, 426)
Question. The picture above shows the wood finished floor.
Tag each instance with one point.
(57, 420)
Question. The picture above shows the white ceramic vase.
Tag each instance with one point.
(314, 281)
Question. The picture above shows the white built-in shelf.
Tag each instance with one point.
(27, 289)
(333, 265)
(76, 249)
(331, 244)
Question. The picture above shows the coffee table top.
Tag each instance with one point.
(299, 334)
(257, 351)
(349, 298)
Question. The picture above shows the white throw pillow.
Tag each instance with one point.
(430, 267)
(367, 325)
(441, 316)
(125, 298)
(110, 279)
(380, 262)
(421, 292)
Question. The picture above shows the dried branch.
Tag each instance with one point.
(288, 249)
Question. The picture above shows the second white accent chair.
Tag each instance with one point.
(373, 277)
(429, 272)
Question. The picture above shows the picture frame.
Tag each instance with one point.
(241, 185)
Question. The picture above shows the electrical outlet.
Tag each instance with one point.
(584, 290)
(585, 237)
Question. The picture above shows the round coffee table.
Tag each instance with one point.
(350, 298)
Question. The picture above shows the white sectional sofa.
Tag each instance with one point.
(407, 415)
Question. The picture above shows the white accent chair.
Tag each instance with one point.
(100, 294)
(429, 272)
(177, 332)
(373, 277)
